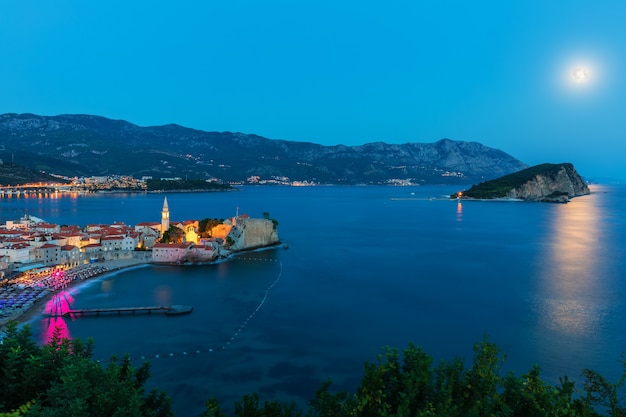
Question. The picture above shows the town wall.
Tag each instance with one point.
(253, 233)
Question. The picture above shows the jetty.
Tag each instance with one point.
(173, 310)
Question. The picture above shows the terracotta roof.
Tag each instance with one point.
(46, 226)
(70, 232)
(163, 245)
(48, 246)
(14, 240)
(20, 245)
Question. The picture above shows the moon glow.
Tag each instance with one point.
(580, 74)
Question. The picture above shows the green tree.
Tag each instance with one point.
(529, 396)
(249, 406)
(21, 411)
(482, 380)
(193, 184)
(266, 216)
(173, 235)
(22, 368)
(213, 409)
(417, 389)
(61, 379)
(604, 395)
(205, 226)
(326, 404)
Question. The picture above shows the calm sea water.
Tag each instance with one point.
(365, 268)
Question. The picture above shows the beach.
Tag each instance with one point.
(21, 303)
(23, 298)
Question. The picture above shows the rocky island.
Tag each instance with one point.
(555, 183)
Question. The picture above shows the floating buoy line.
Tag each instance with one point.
(226, 344)
(219, 346)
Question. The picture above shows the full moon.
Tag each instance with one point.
(580, 75)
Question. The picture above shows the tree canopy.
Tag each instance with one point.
(188, 185)
(499, 187)
(173, 235)
(412, 385)
(62, 379)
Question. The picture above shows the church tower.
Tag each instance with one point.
(165, 217)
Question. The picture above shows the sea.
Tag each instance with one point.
(359, 270)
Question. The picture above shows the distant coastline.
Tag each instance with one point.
(132, 191)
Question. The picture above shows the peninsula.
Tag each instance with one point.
(38, 258)
(545, 182)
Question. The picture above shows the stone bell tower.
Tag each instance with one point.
(165, 217)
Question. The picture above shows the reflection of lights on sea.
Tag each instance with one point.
(163, 295)
(60, 303)
(56, 326)
(55, 309)
(571, 263)
(106, 286)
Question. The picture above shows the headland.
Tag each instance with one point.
(553, 183)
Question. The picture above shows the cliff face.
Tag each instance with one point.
(558, 186)
(545, 182)
(253, 233)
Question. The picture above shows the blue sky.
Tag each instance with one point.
(334, 72)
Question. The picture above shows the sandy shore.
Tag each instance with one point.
(106, 267)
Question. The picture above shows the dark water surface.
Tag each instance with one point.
(366, 267)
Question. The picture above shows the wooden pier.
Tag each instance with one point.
(167, 310)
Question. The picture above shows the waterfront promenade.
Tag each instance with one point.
(25, 296)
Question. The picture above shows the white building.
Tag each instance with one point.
(19, 252)
(131, 241)
(170, 253)
(70, 255)
(111, 243)
(48, 254)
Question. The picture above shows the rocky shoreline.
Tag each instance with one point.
(549, 183)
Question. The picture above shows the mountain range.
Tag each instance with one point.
(88, 145)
